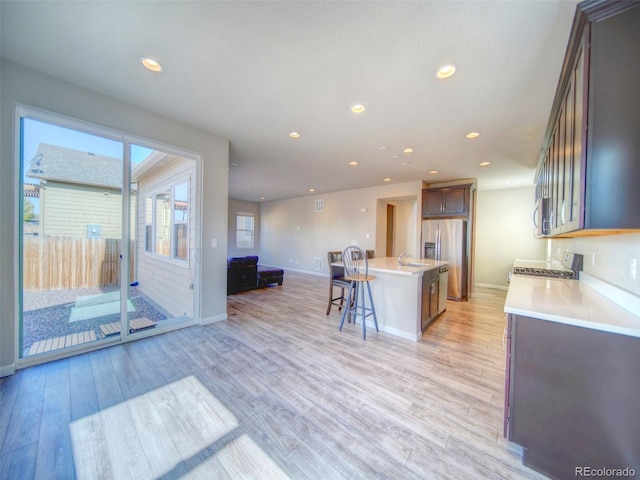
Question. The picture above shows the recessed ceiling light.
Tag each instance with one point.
(446, 71)
(387, 179)
(384, 147)
(261, 198)
(407, 150)
(358, 108)
(484, 164)
(433, 172)
(294, 135)
(405, 163)
(312, 189)
(473, 135)
(353, 164)
(150, 64)
(395, 156)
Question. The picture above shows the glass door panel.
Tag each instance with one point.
(71, 237)
(162, 238)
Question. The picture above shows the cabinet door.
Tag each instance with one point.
(432, 202)
(507, 375)
(569, 118)
(454, 201)
(560, 170)
(576, 218)
(571, 402)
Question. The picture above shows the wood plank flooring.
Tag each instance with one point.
(274, 392)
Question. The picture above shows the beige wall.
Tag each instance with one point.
(236, 206)
(24, 86)
(293, 234)
(504, 231)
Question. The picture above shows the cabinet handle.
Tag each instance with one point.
(535, 214)
(562, 218)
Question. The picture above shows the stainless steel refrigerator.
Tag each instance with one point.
(446, 240)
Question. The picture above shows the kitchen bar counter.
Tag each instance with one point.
(390, 265)
(575, 302)
(397, 295)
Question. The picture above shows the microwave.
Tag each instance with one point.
(541, 217)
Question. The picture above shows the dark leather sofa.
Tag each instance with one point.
(244, 273)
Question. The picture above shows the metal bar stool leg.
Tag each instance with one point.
(348, 307)
(373, 308)
(364, 312)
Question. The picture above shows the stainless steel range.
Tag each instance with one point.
(568, 268)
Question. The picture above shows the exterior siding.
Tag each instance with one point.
(67, 209)
(166, 281)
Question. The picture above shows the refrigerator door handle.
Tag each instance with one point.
(438, 237)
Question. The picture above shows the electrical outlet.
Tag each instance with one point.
(593, 259)
(633, 268)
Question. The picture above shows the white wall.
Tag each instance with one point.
(292, 234)
(504, 231)
(613, 257)
(31, 88)
(236, 206)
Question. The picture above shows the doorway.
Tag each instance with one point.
(391, 230)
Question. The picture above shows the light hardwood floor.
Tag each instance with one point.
(274, 392)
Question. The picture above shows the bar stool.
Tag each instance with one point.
(356, 269)
(336, 279)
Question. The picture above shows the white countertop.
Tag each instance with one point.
(572, 302)
(390, 265)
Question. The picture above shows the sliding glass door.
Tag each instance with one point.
(107, 236)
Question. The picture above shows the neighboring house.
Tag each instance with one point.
(80, 192)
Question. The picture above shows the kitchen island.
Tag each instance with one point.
(397, 294)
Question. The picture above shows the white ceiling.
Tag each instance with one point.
(255, 71)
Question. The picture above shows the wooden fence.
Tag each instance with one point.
(63, 263)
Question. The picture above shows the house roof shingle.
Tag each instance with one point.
(62, 164)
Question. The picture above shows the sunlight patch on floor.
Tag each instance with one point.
(168, 431)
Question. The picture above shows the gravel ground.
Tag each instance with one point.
(46, 314)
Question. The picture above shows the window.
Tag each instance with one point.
(180, 217)
(148, 225)
(244, 230)
(166, 217)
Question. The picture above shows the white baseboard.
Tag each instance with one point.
(6, 370)
(214, 319)
(488, 285)
(371, 329)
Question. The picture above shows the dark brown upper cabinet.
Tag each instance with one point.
(588, 175)
(446, 202)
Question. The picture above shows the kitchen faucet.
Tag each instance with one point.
(401, 259)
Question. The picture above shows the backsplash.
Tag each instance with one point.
(607, 258)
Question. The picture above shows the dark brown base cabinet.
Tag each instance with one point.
(589, 166)
(572, 398)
